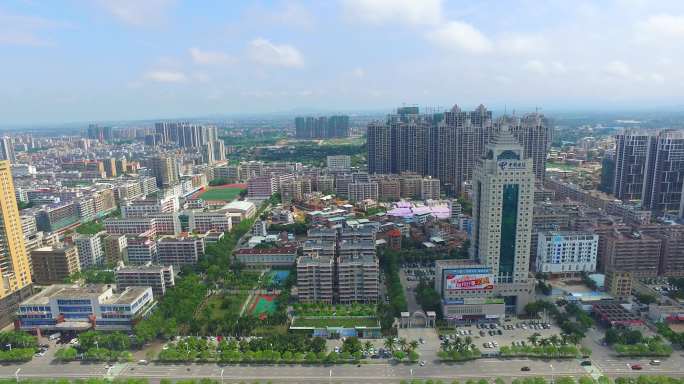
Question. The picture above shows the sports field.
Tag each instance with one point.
(221, 193)
(263, 305)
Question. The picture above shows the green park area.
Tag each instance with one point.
(222, 306)
(227, 193)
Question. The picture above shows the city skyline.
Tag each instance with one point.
(127, 60)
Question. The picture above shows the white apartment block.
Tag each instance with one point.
(140, 250)
(360, 191)
(566, 252)
(179, 251)
(159, 277)
(204, 221)
(90, 250)
(134, 226)
(339, 163)
(430, 189)
(315, 276)
(262, 186)
(147, 207)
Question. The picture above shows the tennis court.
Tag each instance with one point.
(263, 305)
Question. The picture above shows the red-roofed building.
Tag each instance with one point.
(394, 239)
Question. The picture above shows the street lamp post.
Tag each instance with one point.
(97, 345)
(330, 376)
(16, 374)
(553, 380)
(221, 375)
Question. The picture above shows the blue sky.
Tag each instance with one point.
(83, 60)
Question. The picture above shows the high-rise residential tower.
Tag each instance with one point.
(664, 172)
(7, 149)
(15, 282)
(165, 170)
(630, 161)
(534, 134)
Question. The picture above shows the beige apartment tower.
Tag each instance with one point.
(15, 282)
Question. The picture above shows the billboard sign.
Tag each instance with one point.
(460, 279)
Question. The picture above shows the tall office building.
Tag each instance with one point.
(534, 134)
(7, 149)
(503, 201)
(607, 172)
(165, 170)
(630, 161)
(664, 171)
(15, 269)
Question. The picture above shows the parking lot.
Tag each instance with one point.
(489, 338)
(417, 271)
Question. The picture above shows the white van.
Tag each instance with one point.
(54, 336)
(655, 362)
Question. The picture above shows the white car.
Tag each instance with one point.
(422, 363)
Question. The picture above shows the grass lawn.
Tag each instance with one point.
(221, 194)
(323, 322)
(223, 305)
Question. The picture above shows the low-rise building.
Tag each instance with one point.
(159, 277)
(315, 276)
(114, 248)
(566, 253)
(357, 272)
(140, 250)
(74, 308)
(619, 284)
(179, 251)
(204, 221)
(267, 257)
(245, 210)
(90, 250)
(52, 264)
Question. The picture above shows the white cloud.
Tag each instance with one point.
(137, 12)
(359, 73)
(522, 44)
(657, 27)
(657, 78)
(457, 35)
(543, 68)
(536, 66)
(414, 12)
(17, 29)
(265, 52)
(292, 14)
(162, 76)
(618, 68)
(200, 56)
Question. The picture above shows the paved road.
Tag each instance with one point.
(386, 373)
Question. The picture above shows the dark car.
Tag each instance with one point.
(636, 367)
(585, 363)
(525, 369)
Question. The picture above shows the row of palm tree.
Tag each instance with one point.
(403, 344)
(563, 339)
(458, 344)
